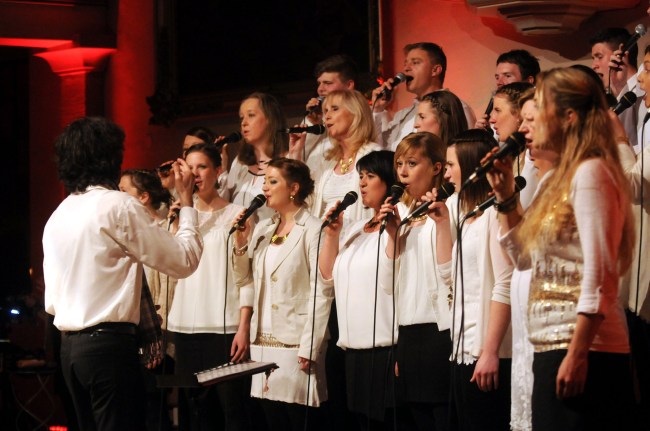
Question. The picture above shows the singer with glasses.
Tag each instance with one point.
(578, 236)
(209, 317)
(479, 276)
(364, 308)
(275, 268)
(440, 113)
(262, 128)
(422, 302)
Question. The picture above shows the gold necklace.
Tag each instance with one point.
(345, 166)
(278, 239)
(418, 218)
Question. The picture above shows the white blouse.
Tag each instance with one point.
(199, 299)
(354, 287)
(242, 186)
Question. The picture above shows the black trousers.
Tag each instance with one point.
(102, 372)
(605, 404)
(474, 409)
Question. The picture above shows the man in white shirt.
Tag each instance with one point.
(94, 246)
(426, 64)
(338, 72)
(622, 79)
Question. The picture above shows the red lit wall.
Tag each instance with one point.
(472, 43)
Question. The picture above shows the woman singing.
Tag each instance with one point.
(364, 309)
(277, 270)
(349, 124)
(261, 119)
(424, 344)
(209, 327)
(480, 275)
(577, 236)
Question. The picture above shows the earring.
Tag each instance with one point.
(291, 197)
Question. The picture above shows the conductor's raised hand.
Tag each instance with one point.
(183, 181)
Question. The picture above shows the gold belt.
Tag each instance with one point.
(268, 340)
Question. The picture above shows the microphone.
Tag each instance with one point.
(233, 137)
(444, 192)
(348, 199)
(398, 79)
(396, 192)
(639, 31)
(317, 129)
(172, 218)
(627, 100)
(316, 108)
(514, 145)
(257, 202)
(520, 183)
(488, 109)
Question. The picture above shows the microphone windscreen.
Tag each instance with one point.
(396, 192)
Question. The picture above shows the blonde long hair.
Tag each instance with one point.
(589, 136)
(362, 129)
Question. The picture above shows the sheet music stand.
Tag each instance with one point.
(212, 376)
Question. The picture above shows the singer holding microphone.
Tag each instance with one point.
(262, 125)
(423, 314)
(350, 128)
(578, 237)
(479, 275)
(275, 268)
(210, 328)
(364, 309)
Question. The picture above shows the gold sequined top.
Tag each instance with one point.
(555, 286)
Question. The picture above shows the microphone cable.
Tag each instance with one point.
(313, 330)
(638, 265)
(392, 357)
(374, 333)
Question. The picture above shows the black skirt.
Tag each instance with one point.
(369, 384)
(423, 360)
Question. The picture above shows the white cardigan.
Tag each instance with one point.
(494, 272)
(437, 291)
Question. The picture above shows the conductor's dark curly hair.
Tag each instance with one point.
(89, 153)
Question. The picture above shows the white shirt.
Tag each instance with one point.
(390, 133)
(242, 186)
(94, 246)
(422, 296)
(198, 305)
(354, 287)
